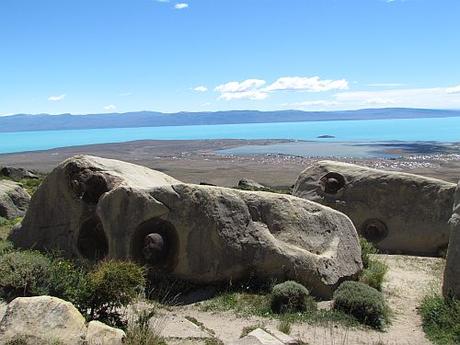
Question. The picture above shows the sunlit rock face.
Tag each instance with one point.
(398, 212)
(98, 208)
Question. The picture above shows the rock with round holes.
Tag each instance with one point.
(398, 212)
(94, 208)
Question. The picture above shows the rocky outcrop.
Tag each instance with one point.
(93, 208)
(451, 283)
(260, 336)
(14, 200)
(42, 319)
(17, 173)
(398, 212)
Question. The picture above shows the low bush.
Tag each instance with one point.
(291, 297)
(110, 286)
(363, 302)
(5, 247)
(367, 249)
(23, 273)
(374, 274)
(441, 319)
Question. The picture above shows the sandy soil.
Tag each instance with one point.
(409, 279)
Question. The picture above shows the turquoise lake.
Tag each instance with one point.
(425, 129)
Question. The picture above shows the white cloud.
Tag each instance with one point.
(56, 98)
(385, 84)
(200, 88)
(453, 89)
(110, 107)
(311, 84)
(313, 104)
(247, 89)
(253, 88)
(181, 6)
(437, 97)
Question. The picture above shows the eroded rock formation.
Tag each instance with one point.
(93, 207)
(451, 284)
(398, 212)
(14, 200)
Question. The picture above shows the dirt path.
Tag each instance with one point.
(408, 280)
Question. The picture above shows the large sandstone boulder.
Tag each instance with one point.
(14, 200)
(451, 284)
(398, 212)
(99, 333)
(93, 208)
(42, 320)
(17, 173)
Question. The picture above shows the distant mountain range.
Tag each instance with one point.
(42, 122)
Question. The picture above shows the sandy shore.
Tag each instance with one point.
(197, 161)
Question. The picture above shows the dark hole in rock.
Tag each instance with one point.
(374, 230)
(155, 243)
(92, 242)
(88, 185)
(332, 182)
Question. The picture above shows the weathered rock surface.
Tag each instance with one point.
(251, 185)
(400, 213)
(99, 333)
(14, 200)
(93, 207)
(17, 173)
(451, 283)
(40, 319)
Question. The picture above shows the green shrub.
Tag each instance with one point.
(69, 282)
(112, 285)
(363, 302)
(374, 274)
(441, 319)
(290, 297)
(5, 247)
(23, 273)
(367, 249)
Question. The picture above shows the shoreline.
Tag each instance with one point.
(197, 161)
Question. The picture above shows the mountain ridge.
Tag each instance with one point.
(43, 122)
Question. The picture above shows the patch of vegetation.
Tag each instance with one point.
(99, 292)
(31, 184)
(374, 271)
(112, 285)
(23, 273)
(285, 326)
(291, 297)
(140, 332)
(363, 302)
(5, 247)
(441, 319)
(6, 225)
(244, 301)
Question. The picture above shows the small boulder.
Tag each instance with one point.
(451, 284)
(248, 184)
(41, 319)
(398, 212)
(99, 333)
(17, 173)
(14, 200)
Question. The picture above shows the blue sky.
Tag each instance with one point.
(95, 56)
